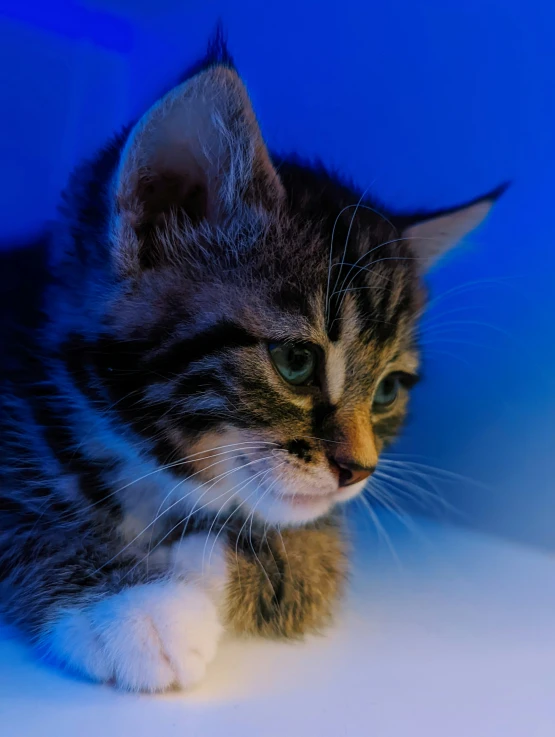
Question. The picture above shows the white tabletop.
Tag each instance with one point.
(454, 637)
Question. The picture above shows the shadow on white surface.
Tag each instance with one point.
(455, 638)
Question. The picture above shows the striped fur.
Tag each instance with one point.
(143, 406)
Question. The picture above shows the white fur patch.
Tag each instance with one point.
(202, 558)
(147, 638)
(335, 372)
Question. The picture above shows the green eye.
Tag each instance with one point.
(387, 391)
(296, 362)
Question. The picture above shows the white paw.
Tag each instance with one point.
(146, 638)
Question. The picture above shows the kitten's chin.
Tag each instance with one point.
(296, 509)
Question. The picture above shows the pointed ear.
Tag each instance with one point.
(197, 155)
(432, 235)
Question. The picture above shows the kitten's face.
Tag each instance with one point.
(274, 318)
(299, 394)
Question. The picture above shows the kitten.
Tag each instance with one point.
(226, 346)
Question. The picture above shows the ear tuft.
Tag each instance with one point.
(217, 54)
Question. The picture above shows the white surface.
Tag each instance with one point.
(455, 638)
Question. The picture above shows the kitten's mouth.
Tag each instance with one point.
(303, 500)
(285, 506)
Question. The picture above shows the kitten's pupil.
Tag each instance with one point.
(387, 392)
(298, 358)
(296, 363)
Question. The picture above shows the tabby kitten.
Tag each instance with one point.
(227, 345)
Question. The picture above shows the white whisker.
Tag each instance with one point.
(230, 516)
(420, 495)
(186, 521)
(353, 216)
(265, 473)
(357, 206)
(193, 458)
(382, 534)
(402, 461)
(251, 516)
(466, 286)
(178, 501)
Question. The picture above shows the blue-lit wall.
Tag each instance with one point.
(428, 103)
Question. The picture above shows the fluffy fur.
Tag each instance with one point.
(158, 477)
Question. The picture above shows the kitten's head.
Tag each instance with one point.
(264, 325)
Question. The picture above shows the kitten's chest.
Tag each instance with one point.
(155, 512)
(149, 502)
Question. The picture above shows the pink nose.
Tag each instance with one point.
(349, 472)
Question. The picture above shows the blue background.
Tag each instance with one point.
(427, 103)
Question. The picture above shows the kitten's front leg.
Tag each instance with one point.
(152, 636)
(278, 584)
(151, 630)
(288, 583)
